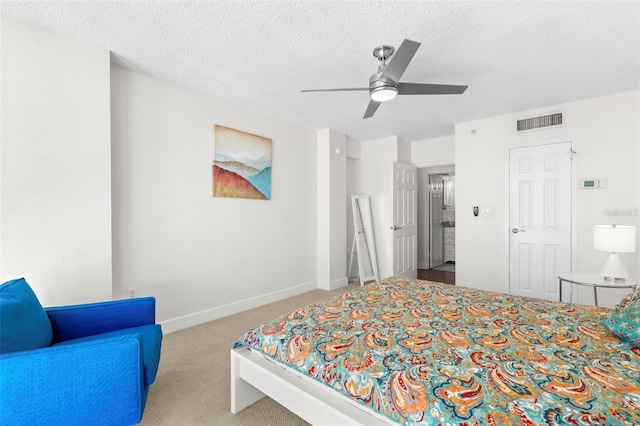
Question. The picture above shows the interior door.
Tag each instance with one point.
(540, 218)
(436, 239)
(405, 256)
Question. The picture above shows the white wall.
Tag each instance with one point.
(424, 216)
(404, 151)
(353, 148)
(433, 152)
(332, 205)
(55, 193)
(204, 257)
(353, 188)
(607, 135)
(372, 175)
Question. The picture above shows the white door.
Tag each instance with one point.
(404, 227)
(436, 248)
(540, 203)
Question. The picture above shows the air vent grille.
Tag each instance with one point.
(551, 120)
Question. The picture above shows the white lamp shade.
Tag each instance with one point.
(614, 238)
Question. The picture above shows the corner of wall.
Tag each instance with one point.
(332, 204)
(55, 164)
(353, 149)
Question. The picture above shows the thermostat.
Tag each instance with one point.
(589, 183)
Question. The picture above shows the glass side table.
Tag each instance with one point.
(593, 280)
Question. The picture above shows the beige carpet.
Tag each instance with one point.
(192, 385)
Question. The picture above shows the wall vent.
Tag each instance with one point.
(544, 121)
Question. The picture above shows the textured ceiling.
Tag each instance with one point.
(259, 54)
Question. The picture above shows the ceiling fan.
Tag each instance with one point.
(385, 84)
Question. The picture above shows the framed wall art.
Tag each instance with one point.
(241, 164)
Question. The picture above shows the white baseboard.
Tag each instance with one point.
(197, 318)
(335, 284)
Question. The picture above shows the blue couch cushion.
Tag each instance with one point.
(24, 325)
(151, 343)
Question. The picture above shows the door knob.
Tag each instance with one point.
(395, 228)
(516, 230)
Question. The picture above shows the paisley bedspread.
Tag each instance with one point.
(421, 352)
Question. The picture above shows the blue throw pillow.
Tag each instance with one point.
(625, 322)
(24, 325)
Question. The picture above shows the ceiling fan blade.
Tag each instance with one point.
(371, 109)
(430, 89)
(349, 89)
(400, 60)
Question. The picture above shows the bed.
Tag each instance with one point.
(403, 351)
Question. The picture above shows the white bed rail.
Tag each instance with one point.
(253, 377)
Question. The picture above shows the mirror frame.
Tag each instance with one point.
(363, 224)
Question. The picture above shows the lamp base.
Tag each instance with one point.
(615, 280)
(613, 269)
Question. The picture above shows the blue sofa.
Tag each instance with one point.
(88, 364)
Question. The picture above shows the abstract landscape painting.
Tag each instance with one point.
(241, 165)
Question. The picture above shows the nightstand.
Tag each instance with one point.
(593, 280)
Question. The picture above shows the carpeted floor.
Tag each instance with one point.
(192, 385)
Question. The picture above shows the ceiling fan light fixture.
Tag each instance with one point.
(383, 93)
(385, 84)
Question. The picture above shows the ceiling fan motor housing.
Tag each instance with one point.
(379, 84)
(377, 80)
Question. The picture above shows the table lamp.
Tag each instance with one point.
(614, 239)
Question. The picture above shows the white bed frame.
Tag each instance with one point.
(254, 376)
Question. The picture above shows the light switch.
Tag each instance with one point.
(485, 211)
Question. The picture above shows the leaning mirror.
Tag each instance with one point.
(363, 247)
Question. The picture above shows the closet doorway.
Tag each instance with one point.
(436, 218)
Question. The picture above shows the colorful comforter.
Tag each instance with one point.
(427, 353)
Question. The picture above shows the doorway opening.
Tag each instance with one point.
(436, 223)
